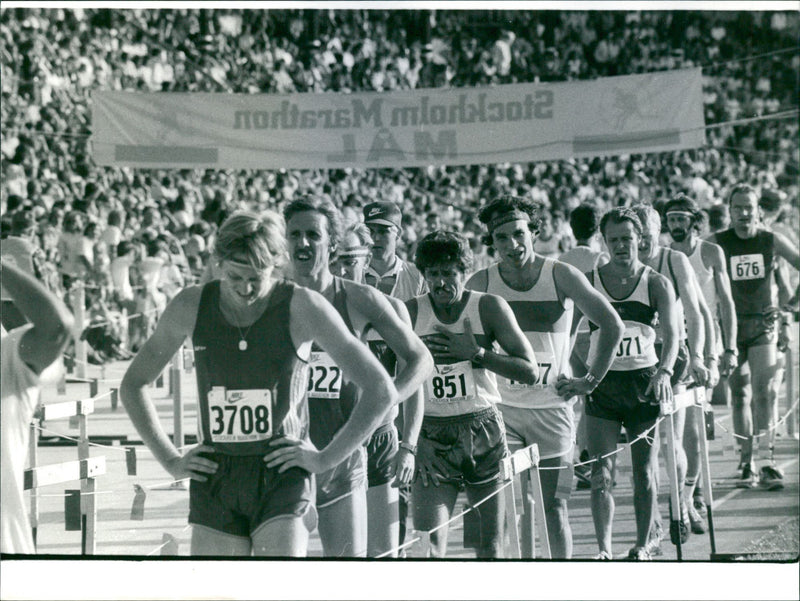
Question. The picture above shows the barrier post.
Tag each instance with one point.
(33, 444)
(791, 392)
(527, 461)
(177, 398)
(705, 466)
(78, 295)
(88, 496)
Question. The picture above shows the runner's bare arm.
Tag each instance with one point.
(571, 283)
(695, 332)
(174, 326)
(519, 363)
(788, 251)
(722, 284)
(393, 324)
(314, 319)
(663, 295)
(52, 322)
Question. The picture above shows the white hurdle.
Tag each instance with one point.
(681, 398)
(86, 469)
(525, 463)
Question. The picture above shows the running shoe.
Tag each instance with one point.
(603, 556)
(771, 478)
(699, 506)
(653, 546)
(748, 478)
(639, 554)
(696, 521)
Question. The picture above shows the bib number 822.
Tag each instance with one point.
(249, 420)
(324, 381)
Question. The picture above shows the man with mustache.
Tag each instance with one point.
(751, 254)
(708, 262)
(463, 439)
(251, 476)
(314, 230)
(542, 292)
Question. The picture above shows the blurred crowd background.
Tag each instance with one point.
(135, 237)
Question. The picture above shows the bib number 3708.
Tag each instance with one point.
(240, 415)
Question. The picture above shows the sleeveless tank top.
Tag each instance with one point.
(387, 358)
(456, 387)
(705, 277)
(750, 264)
(248, 397)
(637, 348)
(330, 398)
(665, 268)
(545, 321)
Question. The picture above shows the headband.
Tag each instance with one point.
(680, 212)
(354, 251)
(513, 215)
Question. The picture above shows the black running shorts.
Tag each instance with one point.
(244, 493)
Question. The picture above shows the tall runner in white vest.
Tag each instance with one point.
(463, 438)
(541, 293)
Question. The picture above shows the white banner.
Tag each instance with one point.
(654, 112)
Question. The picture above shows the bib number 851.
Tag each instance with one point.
(447, 387)
(249, 420)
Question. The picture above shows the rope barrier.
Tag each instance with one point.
(448, 522)
(766, 431)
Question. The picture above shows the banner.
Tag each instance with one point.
(653, 112)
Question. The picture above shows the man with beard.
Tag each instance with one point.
(696, 342)
(708, 262)
(314, 231)
(251, 476)
(751, 255)
(542, 292)
(463, 439)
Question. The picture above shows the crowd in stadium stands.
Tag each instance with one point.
(137, 236)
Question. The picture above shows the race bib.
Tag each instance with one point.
(451, 383)
(632, 343)
(324, 377)
(747, 267)
(545, 361)
(239, 415)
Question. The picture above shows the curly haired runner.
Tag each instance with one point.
(463, 438)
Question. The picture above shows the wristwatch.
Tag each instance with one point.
(732, 351)
(479, 355)
(409, 447)
(592, 379)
